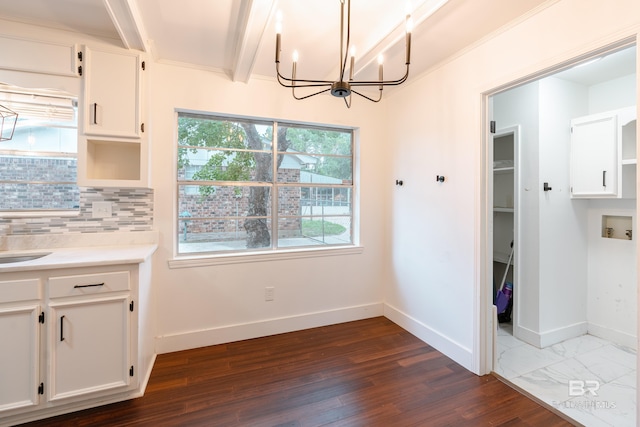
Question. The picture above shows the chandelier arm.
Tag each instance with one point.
(316, 82)
(383, 82)
(295, 83)
(293, 88)
(347, 103)
(365, 96)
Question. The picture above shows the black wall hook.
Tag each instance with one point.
(440, 178)
(399, 182)
(546, 187)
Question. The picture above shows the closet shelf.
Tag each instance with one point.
(503, 170)
(501, 257)
(629, 161)
(502, 209)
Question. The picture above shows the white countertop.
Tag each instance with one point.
(80, 257)
(77, 250)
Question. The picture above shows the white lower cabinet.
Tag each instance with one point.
(67, 341)
(89, 346)
(19, 357)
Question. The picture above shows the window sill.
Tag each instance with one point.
(251, 257)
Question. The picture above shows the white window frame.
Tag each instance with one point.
(197, 259)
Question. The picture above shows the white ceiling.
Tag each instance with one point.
(237, 37)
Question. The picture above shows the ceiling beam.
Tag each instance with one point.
(252, 23)
(126, 17)
(424, 10)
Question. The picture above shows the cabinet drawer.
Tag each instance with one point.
(88, 284)
(19, 290)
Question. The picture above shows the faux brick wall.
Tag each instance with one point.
(27, 196)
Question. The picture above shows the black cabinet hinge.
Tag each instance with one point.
(492, 126)
(131, 371)
(142, 127)
(41, 317)
(131, 306)
(144, 65)
(80, 70)
(80, 56)
(41, 388)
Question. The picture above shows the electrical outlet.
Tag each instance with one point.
(269, 293)
(101, 210)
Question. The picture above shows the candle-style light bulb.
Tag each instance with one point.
(380, 61)
(409, 25)
(278, 33)
(353, 62)
(294, 66)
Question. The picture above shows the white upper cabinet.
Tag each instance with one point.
(597, 145)
(112, 146)
(112, 88)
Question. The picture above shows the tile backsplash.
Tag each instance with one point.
(132, 210)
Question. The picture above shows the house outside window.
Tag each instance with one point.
(38, 165)
(255, 185)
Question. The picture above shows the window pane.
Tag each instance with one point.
(199, 164)
(204, 131)
(320, 155)
(314, 200)
(315, 169)
(220, 218)
(314, 216)
(315, 141)
(314, 231)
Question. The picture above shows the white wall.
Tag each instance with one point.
(563, 221)
(212, 304)
(613, 94)
(439, 286)
(613, 296)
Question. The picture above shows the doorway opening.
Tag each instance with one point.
(555, 190)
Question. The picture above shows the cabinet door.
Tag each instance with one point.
(594, 156)
(111, 93)
(89, 346)
(19, 357)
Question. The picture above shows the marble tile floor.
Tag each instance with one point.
(587, 378)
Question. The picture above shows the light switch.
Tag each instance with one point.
(101, 209)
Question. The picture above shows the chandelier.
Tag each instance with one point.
(8, 119)
(341, 88)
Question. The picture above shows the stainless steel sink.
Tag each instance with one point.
(9, 258)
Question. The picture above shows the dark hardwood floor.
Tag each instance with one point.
(365, 373)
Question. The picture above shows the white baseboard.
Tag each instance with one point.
(555, 336)
(613, 335)
(547, 338)
(224, 334)
(435, 339)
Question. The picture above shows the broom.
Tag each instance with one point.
(502, 299)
